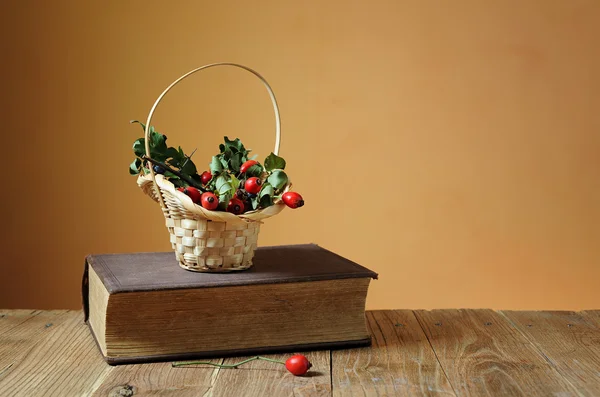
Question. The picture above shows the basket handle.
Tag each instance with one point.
(173, 84)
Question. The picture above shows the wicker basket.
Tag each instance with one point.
(203, 240)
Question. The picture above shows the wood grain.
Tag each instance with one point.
(62, 361)
(592, 316)
(22, 330)
(484, 355)
(11, 318)
(568, 341)
(262, 378)
(400, 361)
(159, 379)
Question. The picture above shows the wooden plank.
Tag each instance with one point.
(158, 379)
(64, 362)
(483, 354)
(592, 315)
(26, 329)
(399, 362)
(262, 378)
(568, 341)
(12, 318)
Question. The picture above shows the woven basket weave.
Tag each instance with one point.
(203, 240)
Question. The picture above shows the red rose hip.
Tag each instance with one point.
(193, 193)
(235, 206)
(247, 165)
(293, 199)
(205, 177)
(209, 201)
(253, 185)
(298, 364)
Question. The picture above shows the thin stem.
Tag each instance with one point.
(201, 363)
(226, 365)
(187, 158)
(271, 360)
(189, 180)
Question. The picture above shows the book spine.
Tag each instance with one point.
(85, 289)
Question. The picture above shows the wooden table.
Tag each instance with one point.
(416, 353)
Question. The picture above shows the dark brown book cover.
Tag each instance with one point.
(153, 271)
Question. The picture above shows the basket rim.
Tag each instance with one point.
(219, 216)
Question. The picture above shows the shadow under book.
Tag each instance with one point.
(143, 307)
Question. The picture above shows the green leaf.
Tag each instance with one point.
(224, 163)
(158, 147)
(158, 156)
(267, 190)
(224, 200)
(225, 197)
(253, 157)
(215, 166)
(254, 202)
(255, 170)
(210, 186)
(221, 180)
(278, 179)
(189, 168)
(235, 183)
(139, 122)
(171, 175)
(179, 183)
(173, 163)
(134, 167)
(266, 201)
(157, 139)
(273, 162)
(226, 189)
(222, 148)
(265, 196)
(236, 143)
(236, 162)
(152, 131)
(172, 153)
(138, 147)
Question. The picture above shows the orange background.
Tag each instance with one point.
(453, 147)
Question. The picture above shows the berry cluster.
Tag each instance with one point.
(242, 202)
(236, 183)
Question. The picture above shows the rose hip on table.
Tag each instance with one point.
(297, 364)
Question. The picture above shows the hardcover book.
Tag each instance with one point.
(143, 307)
